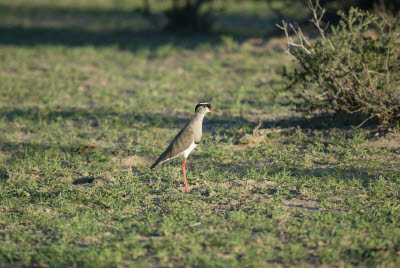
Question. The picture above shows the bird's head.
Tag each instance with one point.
(204, 107)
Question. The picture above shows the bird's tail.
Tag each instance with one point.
(159, 160)
(163, 157)
(154, 165)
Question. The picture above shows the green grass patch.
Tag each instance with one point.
(82, 119)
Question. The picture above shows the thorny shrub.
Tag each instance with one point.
(355, 67)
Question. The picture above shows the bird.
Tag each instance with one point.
(187, 139)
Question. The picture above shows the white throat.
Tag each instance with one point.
(201, 115)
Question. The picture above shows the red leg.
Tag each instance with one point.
(184, 175)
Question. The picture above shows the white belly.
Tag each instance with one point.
(185, 153)
(188, 150)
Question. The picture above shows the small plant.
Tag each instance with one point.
(355, 67)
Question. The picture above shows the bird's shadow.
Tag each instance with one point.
(84, 180)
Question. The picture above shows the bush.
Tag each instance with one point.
(355, 67)
(185, 15)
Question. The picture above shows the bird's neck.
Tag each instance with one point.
(197, 121)
(197, 126)
(199, 117)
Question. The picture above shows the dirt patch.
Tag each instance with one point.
(259, 136)
(132, 161)
(88, 149)
(253, 140)
(263, 45)
(23, 136)
(93, 239)
(390, 141)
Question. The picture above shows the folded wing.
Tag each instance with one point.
(180, 143)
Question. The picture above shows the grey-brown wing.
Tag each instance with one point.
(181, 142)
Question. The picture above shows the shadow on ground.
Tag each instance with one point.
(128, 29)
(95, 115)
(84, 180)
(123, 39)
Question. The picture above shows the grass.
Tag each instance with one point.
(83, 116)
